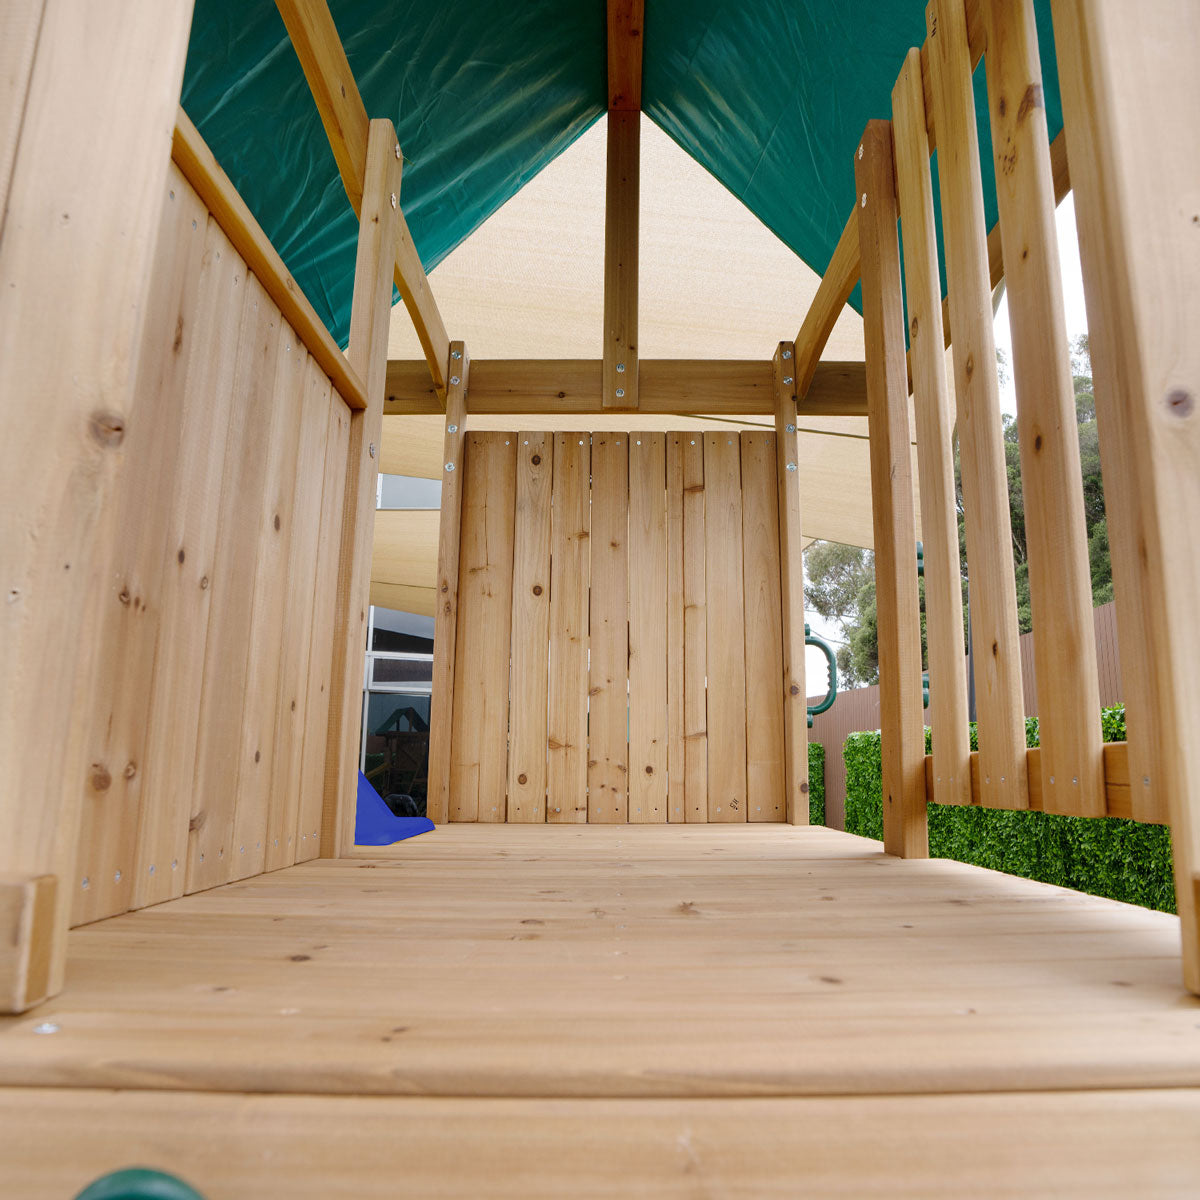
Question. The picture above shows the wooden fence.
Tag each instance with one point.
(859, 709)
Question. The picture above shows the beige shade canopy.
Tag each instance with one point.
(714, 282)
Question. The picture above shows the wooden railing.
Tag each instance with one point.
(1140, 271)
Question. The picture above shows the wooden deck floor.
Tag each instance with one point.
(550, 1011)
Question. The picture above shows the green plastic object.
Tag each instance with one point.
(770, 96)
(811, 639)
(139, 1183)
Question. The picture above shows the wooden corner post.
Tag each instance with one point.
(901, 715)
(445, 617)
(791, 572)
(88, 108)
(379, 227)
(1130, 96)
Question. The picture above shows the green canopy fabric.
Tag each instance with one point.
(770, 96)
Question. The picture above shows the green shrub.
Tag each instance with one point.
(1106, 856)
(816, 783)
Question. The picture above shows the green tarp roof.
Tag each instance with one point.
(770, 96)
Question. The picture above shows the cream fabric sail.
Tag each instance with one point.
(714, 282)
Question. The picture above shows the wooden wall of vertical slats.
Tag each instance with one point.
(645, 683)
(207, 747)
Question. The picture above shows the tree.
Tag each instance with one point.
(841, 588)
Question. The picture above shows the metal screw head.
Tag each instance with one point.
(451, 428)
(787, 379)
(454, 380)
(371, 449)
(620, 368)
(456, 354)
(116, 877)
(789, 428)
(46, 1027)
(449, 466)
(85, 883)
(395, 200)
(860, 152)
(863, 202)
(397, 150)
(791, 466)
(620, 392)
(787, 354)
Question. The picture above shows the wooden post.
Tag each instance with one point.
(379, 228)
(1060, 582)
(994, 630)
(791, 573)
(901, 714)
(1130, 96)
(935, 443)
(84, 149)
(445, 618)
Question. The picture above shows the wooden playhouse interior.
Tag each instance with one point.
(706, 990)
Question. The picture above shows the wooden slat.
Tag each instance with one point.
(287, 771)
(695, 633)
(901, 715)
(113, 792)
(1118, 801)
(619, 377)
(323, 60)
(172, 733)
(976, 37)
(570, 572)
(725, 612)
(648, 609)
(608, 699)
(625, 20)
(765, 796)
(203, 172)
(935, 441)
(717, 387)
(82, 191)
(676, 756)
(1060, 583)
(791, 571)
(378, 232)
(479, 746)
(1129, 95)
(306, 837)
(530, 628)
(227, 651)
(445, 617)
(256, 754)
(833, 291)
(976, 388)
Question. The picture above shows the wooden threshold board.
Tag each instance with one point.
(658, 961)
(1065, 1144)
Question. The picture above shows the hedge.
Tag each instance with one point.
(1106, 856)
(816, 783)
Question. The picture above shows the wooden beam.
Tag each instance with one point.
(934, 414)
(445, 617)
(832, 293)
(625, 20)
(1118, 799)
(901, 716)
(323, 59)
(1130, 95)
(791, 572)
(213, 186)
(619, 389)
(679, 387)
(976, 40)
(84, 180)
(379, 229)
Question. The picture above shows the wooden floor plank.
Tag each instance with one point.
(1017, 1144)
(620, 961)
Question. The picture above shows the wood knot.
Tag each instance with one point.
(537, 589)
(107, 428)
(522, 778)
(995, 650)
(1037, 442)
(795, 689)
(257, 755)
(204, 583)
(536, 460)
(649, 770)
(804, 789)
(178, 343)
(1180, 403)
(970, 367)
(101, 779)
(1031, 100)
(123, 596)
(912, 328)
(277, 522)
(181, 555)
(130, 770)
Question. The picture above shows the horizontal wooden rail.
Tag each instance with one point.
(684, 387)
(1117, 794)
(323, 59)
(201, 169)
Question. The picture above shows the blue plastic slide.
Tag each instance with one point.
(377, 825)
